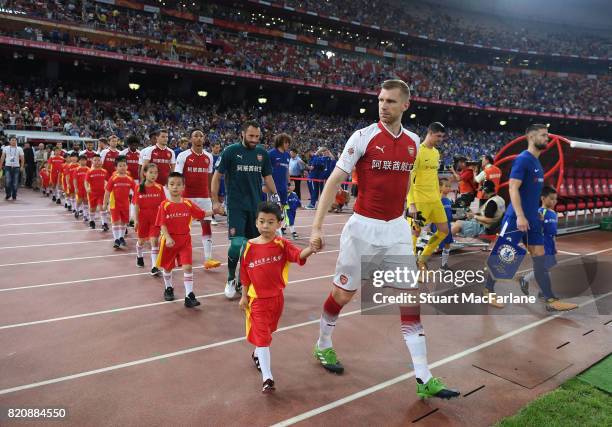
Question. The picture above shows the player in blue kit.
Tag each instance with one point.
(548, 218)
(279, 157)
(522, 220)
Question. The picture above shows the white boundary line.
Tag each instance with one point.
(129, 238)
(132, 307)
(46, 261)
(398, 379)
(98, 229)
(96, 279)
(38, 223)
(568, 253)
(315, 411)
(37, 216)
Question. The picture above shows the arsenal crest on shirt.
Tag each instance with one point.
(411, 150)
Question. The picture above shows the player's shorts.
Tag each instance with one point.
(120, 215)
(177, 255)
(241, 223)
(433, 212)
(533, 236)
(205, 205)
(81, 196)
(146, 224)
(363, 239)
(54, 179)
(95, 200)
(262, 319)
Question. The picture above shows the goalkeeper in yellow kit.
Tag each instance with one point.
(424, 193)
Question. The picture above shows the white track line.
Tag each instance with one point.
(567, 253)
(398, 379)
(37, 223)
(132, 307)
(36, 216)
(96, 279)
(46, 261)
(98, 229)
(40, 245)
(313, 412)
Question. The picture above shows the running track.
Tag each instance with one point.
(81, 327)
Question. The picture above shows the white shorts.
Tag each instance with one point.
(366, 239)
(205, 205)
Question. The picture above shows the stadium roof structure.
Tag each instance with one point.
(45, 136)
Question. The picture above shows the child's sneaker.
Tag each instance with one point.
(169, 294)
(524, 285)
(191, 301)
(117, 244)
(105, 227)
(268, 386)
(92, 225)
(155, 272)
(140, 262)
(230, 289)
(294, 236)
(435, 388)
(122, 241)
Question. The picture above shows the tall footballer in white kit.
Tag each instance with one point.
(382, 154)
(196, 165)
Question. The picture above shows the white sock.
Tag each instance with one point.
(326, 328)
(104, 217)
(132, 213)
(445, 254)
(188, 281)
(86, 211)
(416, 343)
(207, 243)
(139, 250)
(116, 231)
(292, 228)
(529, 276)
(167, 279)
(154, 253)
(263, 354)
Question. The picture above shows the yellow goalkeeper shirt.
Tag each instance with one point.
(424, 186)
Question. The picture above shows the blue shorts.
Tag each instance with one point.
(533, 236)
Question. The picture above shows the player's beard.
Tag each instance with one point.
(541, 146)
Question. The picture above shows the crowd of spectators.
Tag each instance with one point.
(429, 78)
(66, 111)
(425, 19)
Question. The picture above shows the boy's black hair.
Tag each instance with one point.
(120, 159)
(176, 175)
(83, 157)
(270, 208)
(548, 190)
(97, 155)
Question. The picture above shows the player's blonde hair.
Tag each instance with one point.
(397, 84)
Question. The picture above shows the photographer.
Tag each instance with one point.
(465, 176)
(489, 172)
(488, 218)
